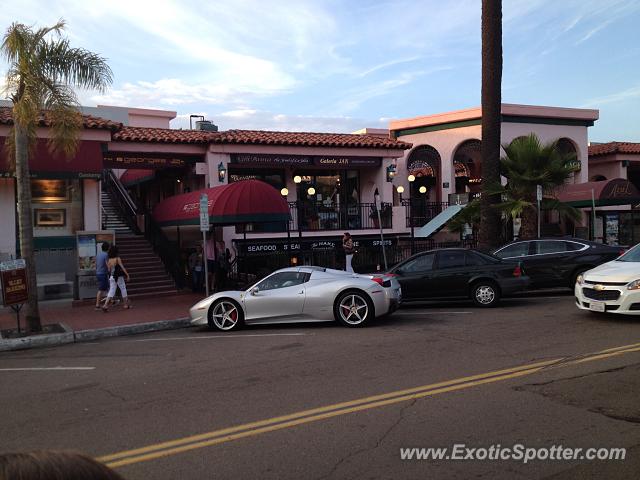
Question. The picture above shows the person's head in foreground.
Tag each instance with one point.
(53, 465)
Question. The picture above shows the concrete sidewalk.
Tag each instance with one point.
(84, 323)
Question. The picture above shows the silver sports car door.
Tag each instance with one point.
(277, 297)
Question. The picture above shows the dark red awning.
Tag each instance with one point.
(247, 201)
(133, 177)
(86, 162)
(617, 191)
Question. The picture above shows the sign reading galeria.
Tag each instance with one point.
(15, 289)
(267, 160)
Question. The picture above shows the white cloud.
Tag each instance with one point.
(624, 95)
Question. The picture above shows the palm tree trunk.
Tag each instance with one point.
(529, 224)
(25, 225)
(490, 223)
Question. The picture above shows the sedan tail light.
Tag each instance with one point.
(382, 281)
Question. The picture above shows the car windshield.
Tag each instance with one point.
(632, 255)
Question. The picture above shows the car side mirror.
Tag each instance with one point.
(254, 291)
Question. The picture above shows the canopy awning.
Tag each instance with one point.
(247, 201)
(617, 191)
(134, 177)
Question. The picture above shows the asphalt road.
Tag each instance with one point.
(324, 401)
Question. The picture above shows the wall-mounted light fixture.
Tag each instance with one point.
(391, 172)
(284, 192)
(222, 172)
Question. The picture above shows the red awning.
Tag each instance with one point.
(617, 191)
(247, 201)
(86, 162)
(133, 177)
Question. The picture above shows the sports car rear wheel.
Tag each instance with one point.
(353, 308)
(225, 315)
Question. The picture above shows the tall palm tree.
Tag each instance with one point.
(43, 69)
(490, 225)
(526, 164)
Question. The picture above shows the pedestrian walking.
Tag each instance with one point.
(102, 273)
(117, 274)
(347, 246)
(196, 268)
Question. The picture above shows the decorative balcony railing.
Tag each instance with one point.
(321, 216)
(419, 213)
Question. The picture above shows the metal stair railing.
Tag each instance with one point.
(168, 251)
(121, 200)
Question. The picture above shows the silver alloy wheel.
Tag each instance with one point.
(353, 309)
(225, 315)
(485, 294)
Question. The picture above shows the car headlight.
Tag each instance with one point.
(580, 279)
(635, 285)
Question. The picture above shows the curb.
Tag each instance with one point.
(54, 339)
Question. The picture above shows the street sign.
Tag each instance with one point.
(14, 282)
(204, 213)
(539, 193)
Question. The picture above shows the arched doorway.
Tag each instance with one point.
(424, 164)
(568, 150)
(467, 166)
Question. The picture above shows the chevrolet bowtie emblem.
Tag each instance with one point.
(598, 287)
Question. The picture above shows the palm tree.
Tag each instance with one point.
(526, 164)
(43, 69)
(490, 225)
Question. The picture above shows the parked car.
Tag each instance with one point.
(612, 287)
(301, 294)
(557, 262)
(458, 273)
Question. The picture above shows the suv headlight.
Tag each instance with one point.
(635, 285)
(580, 279)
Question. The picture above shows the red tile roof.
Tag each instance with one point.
(161, 135)
(253, 137)
(88, 121)
(612, 148)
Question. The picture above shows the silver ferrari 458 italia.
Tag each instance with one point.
(301, 294)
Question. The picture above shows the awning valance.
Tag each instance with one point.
(134, 177)
(617, 191)
(247, 201)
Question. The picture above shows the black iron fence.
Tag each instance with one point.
(418, 213)
(321, 216)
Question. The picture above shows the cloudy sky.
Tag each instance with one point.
(336, 65)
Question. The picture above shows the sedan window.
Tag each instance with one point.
(632, 255)
(423, 263)
(574, 246)
(550, 246)
(282, 280)
(474, 259)
(451, 259)
(519, 249)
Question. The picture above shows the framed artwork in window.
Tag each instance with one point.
(49, 191)
(50, 217)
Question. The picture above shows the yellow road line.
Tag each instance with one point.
(216, 437)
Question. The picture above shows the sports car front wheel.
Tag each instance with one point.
(225, 315)
(353, 309)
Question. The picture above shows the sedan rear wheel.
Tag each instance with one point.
(353, 309)
(485, 294)
(225, 315)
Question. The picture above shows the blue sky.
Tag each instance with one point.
(334, 65)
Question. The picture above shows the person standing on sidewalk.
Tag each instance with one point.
(196, 268)
(102, 273)
(347, 246)
(210, 253)
(117, 274)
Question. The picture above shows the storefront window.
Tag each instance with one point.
(275, 178)
(57, 207)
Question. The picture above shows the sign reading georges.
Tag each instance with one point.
(14, 282)
(132, 162)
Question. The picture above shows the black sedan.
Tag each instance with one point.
(458, 273)
(557, 262)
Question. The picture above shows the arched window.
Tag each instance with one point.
(424, 164)
(467, 166)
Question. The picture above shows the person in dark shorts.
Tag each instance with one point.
(102, 273)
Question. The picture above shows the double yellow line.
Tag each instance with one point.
(216, 437)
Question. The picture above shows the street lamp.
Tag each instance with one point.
(411, 178)
(297, 179)
(422, 189)
(311, 191)
(284, 192)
